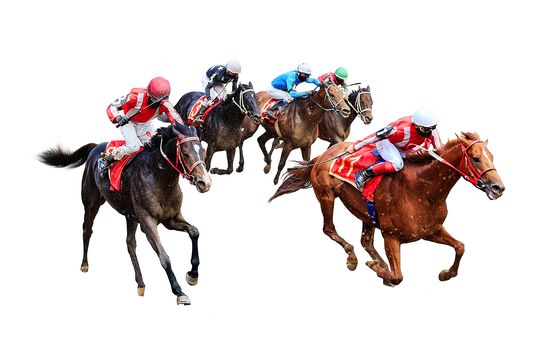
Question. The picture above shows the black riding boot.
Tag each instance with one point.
(104, 164)
(280, 105)
(361, 177)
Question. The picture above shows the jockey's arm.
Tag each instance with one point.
(235, 84)
(115, 109)
(379, 135)
(313, 81)
(168, 109)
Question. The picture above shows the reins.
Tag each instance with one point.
(186, 169)
(358, 108)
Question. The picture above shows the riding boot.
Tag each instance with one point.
(361, 177)
(280, 105)
(104, 163)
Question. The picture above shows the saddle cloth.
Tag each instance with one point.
(266, 106)
(117, 168)
(195, 110)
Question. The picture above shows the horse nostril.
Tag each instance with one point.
(497, 188)
(201, 185)
(346, 111)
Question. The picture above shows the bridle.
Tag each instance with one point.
(358, 108)
(241, 106)
(473, 176)
(186, 169)
(334, 104)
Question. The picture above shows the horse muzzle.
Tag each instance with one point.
(493, 190)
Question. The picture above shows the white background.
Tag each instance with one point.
(269, 277)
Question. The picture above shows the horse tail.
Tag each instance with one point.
(295, 178)
(61, 158)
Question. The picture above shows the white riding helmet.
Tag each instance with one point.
(424, 116)
(233, 66)
(304, 68)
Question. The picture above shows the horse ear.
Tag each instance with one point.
(368, 89)
(486, 142)
(251, 85)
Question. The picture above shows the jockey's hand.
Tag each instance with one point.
(210, 102)
(122, 120)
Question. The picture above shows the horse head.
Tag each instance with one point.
(331, 97)
(245, 99)
(477, 165)
(363, 104)
(189, 157)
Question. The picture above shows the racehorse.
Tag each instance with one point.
(221, 128)
(410, 204)
(297, 125)
(334, 128)
(149, 193)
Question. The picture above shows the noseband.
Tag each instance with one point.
(240, 103)
(334, 104)
(186, 169)
(358, 108)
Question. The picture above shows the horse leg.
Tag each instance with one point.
(230, 158)
(209, 154)
(274, 146)
(92, 200)
(443, 237)
(286, 150)
(305, 152)
(240, 158)
(148, 225)
(394, 277)
(180, 224)
(327, 202)
(262, 140)
(368, 243)
(131, 247)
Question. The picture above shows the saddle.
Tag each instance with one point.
(194, 111)
(116, 168)
(266, 106)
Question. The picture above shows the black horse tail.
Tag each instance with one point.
(295, 178)
(62, 158)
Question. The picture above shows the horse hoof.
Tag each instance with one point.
(191, 280)
(214, 171)
(351, 264)
(239, 169)
(445, 275)
(388, 283)
(183, 300)
(267, 168)
(84, 268)
(140, 291)
(373, 265)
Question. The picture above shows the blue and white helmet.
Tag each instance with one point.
(426, 117)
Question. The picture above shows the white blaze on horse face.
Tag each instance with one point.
(197, 149)
(487, 155)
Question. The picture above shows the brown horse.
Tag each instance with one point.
(297, 125)
(335, 128)
(410, 204)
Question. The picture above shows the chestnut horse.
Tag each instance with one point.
(150, 194)
(410, 204)
(335, 128)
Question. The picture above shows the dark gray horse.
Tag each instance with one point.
(221, 129)
(150, 193)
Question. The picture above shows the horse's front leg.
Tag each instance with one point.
(149, 226)
(286, 150)
(443, 237)
(209, 154)
(305, 153)
(178, 223)
(392, 248)
(262, 140)
(131, 247)
(240, 158)
(230, 159)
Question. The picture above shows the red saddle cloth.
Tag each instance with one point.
(346, 166)
(117, 167)
(195, 110)
(266, 106)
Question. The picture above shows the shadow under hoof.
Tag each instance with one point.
(191, 280)
(84, 268)
(140, 291)
(267, 168)
(183, 300)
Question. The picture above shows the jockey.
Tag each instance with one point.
(398, 139)
(134, 114)
(214, 82)
(283, 87)
(338, 78)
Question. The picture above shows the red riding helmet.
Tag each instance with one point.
(159, 87)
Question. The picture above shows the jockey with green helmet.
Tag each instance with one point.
(338, 78)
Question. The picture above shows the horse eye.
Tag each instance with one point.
(476, 159)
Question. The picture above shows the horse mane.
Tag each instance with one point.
(167, 133)
(465, 136)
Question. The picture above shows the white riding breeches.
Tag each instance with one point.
(217, 90)
(136, 135)
(390, 153)
(279, 94)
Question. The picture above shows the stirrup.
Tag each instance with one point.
(361, 177)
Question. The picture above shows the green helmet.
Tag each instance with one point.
(341, 73)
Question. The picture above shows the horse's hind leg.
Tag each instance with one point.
(149, 227)
(180, 224)
(92, 200)
(305, 153)
(131, 247)
(230, 158)
(443, 237)
(327, 201)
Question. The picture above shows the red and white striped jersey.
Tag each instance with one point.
(136, 104)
